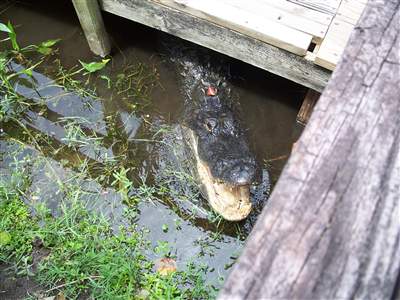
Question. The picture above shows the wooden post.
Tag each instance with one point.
(307, 107)
(89, 15)
(331, 228)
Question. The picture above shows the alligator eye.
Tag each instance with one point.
(210, 124)
(209, 127)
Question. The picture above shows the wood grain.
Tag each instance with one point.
(286, 13)
(351, 10)
(331, 229)
(326, 6)
(221, 39)
(338, 34)
(92, 24)
(246, 22)
(307, 106)
(334, 43)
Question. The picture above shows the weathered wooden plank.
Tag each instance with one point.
(245, 22)
(89, 15)
(331, 229)
(327, 6)
(288, 14)
(294, 8)
(334, 43)
(221, 39)
(350, 10)
(338, 33)
(307, 106)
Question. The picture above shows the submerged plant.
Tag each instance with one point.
(122, 183)
(94, 66)
(46, 47)
(12, 103)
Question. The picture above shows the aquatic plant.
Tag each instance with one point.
(82, 254)
(12, 36)
(76, 251)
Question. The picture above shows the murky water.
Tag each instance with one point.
(127, 125)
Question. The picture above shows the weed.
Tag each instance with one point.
(135, 83)
(163, 249)
(17, 229)
(75, 133)
(122, 183)
(164, 228)
(86, 256)
(94, 66)
(12, 36)
(174, 285)
(72, 80)
(46, 48)
(12, 103)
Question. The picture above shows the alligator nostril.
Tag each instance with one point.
(243, 177)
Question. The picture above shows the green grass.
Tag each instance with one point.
(86, 256)
(17, 229)
(82, 255)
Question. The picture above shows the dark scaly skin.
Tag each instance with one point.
(209, 113)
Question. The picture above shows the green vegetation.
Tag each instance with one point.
(17, 229)
(84, 255)
(75, 250)
(12, 103)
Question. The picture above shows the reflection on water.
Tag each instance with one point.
(136, 132)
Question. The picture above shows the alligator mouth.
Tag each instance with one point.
(232, 202)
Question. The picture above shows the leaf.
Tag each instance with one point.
(44, 50)
(49, 43)
(4, 28)
(13, 37)
(94, 66)
(5, 238)
(45, 47)
(27, 72)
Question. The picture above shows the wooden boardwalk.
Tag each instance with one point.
(301, 40)
(315, 30)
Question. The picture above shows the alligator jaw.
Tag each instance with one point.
(231, 202)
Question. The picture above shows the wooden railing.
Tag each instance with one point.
(331, 229)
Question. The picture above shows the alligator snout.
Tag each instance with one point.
(240, 173)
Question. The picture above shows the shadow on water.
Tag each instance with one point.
(131, 131)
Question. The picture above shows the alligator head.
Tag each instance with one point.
(225, 166)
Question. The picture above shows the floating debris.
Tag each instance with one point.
(165, 265)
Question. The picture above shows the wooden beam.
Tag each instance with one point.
(257, 26)
(89, 15)
(221, 39)
(339, 31)
(286, 13)
(307, 107)
(331, 229)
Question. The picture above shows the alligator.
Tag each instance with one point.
(224, 164)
